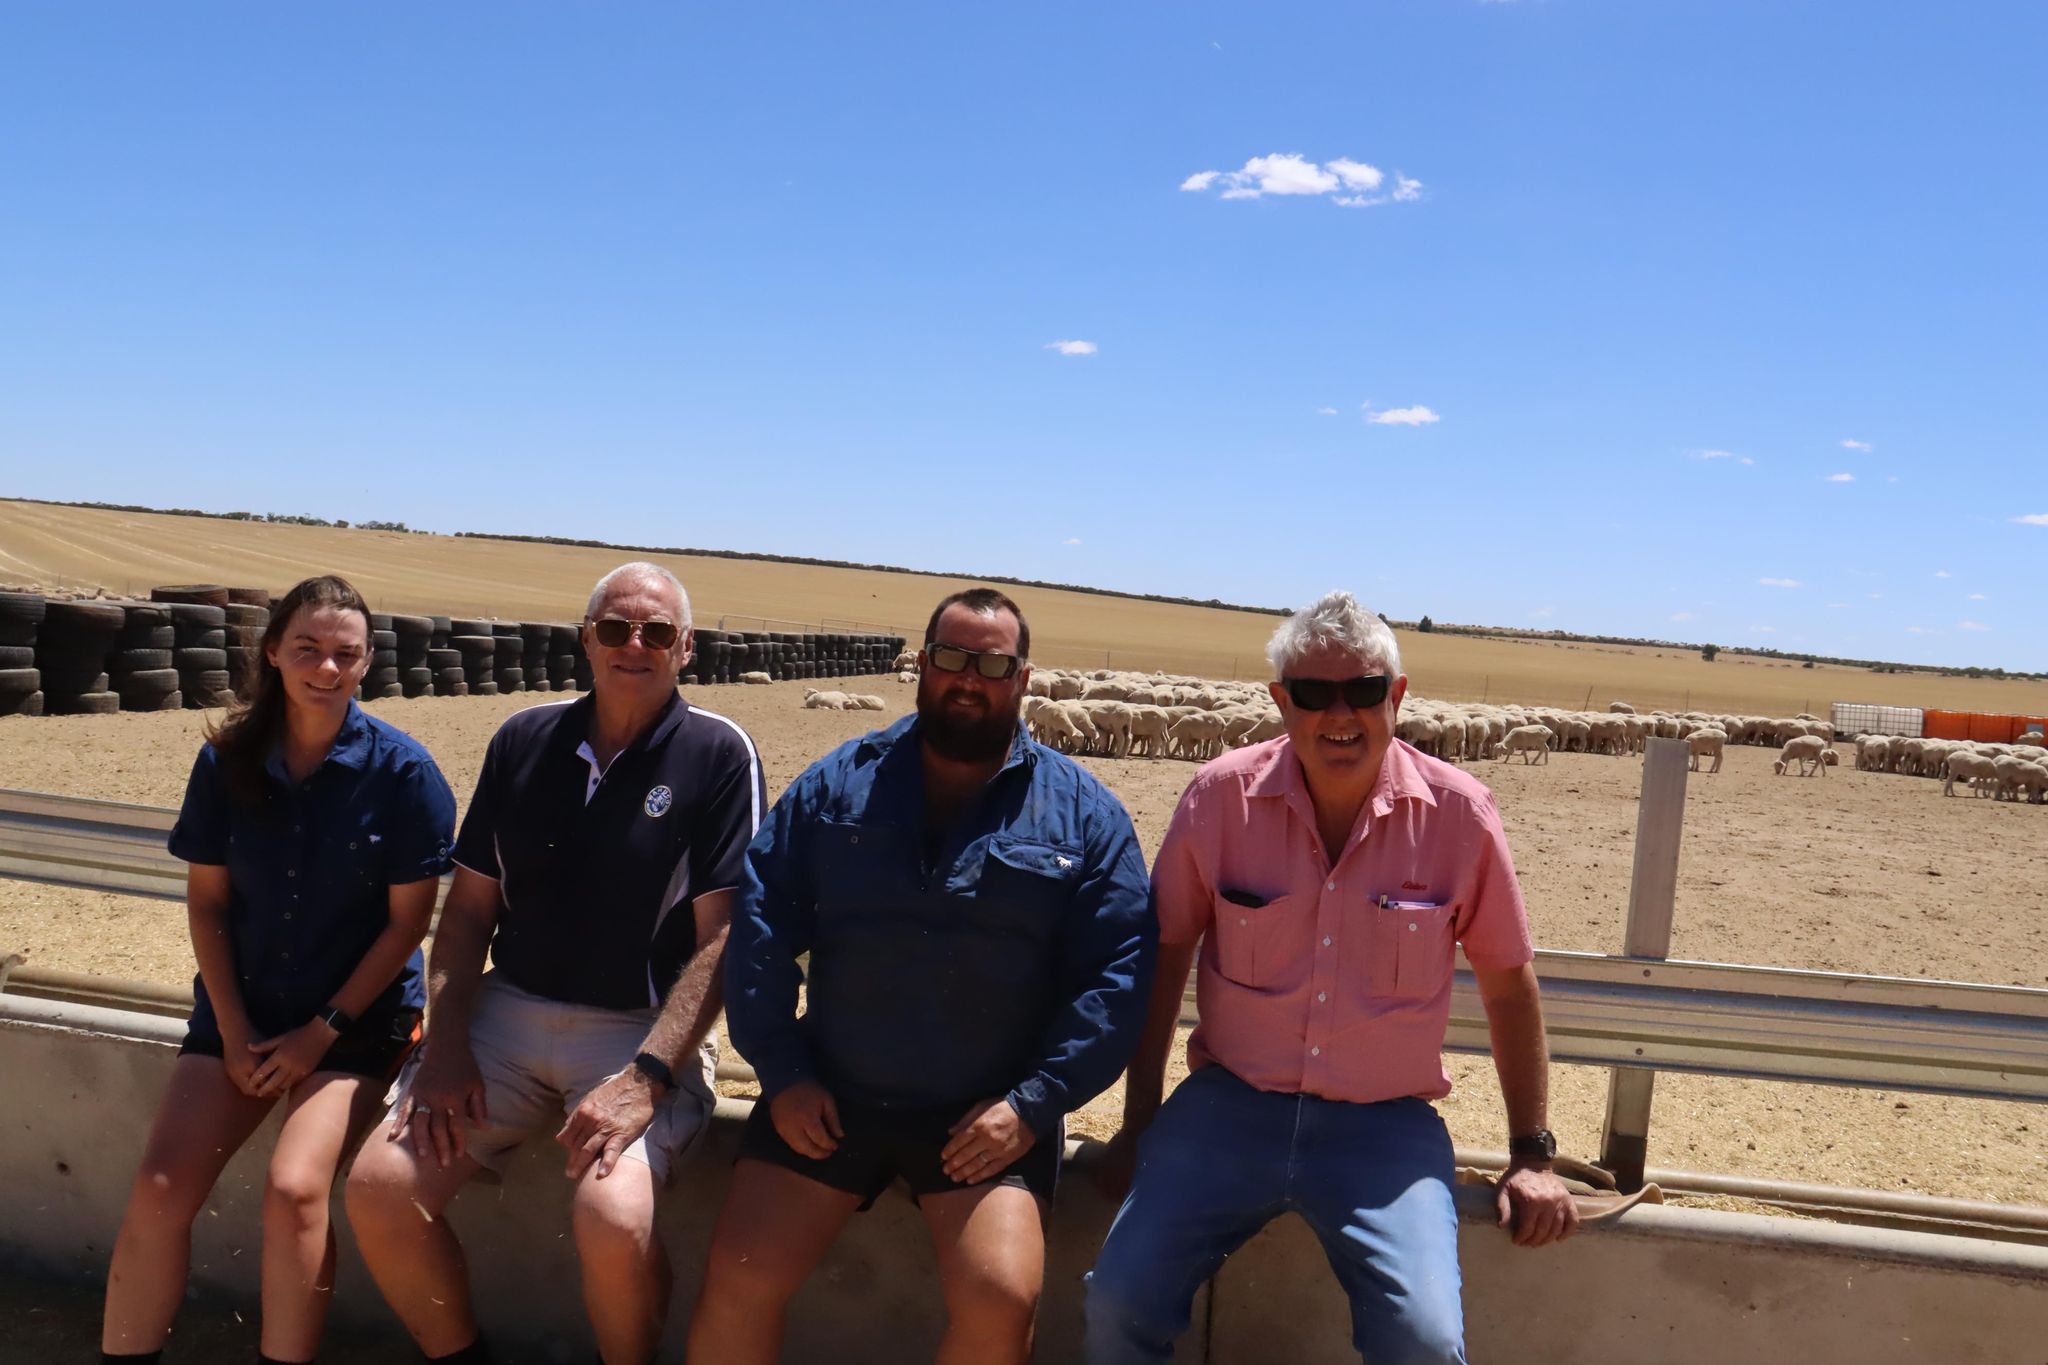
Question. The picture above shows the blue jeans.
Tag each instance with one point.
(1223, 1159)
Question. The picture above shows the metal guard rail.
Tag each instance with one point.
(1707, 1018)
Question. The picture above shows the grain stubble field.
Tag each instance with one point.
(1850, 872)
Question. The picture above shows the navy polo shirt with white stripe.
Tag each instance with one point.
(598, 869)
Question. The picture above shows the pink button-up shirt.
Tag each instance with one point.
(1335, 981)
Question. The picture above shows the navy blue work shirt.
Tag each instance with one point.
(309, 868)
(1015, 963)
(598, 871)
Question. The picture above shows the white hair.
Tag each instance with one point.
(634, 572)
(1337, 620)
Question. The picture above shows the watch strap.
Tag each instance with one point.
(336, 1018)
(655, 1069)
(1540, 1145)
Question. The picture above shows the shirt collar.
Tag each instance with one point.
(582, 714)
(1400, 779)
(879, 743)
(351, 747)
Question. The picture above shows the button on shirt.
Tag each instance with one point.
(598, 870)
(1335, 981)
(1013, 961)
(310, 867)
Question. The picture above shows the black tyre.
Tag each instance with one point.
(205, 594)
(22, 704)
(205, 680)
(81, 704)
(412, 627)
(21, 609)
(511, 680)
(236, 614)
(483, 689)
(72, 682)
(380, 678)
(505, 630)
(16, 682)
(468, 625)
(474, 646)
(131, 661)
(190, 616)
(17, 656)
(249, 597)
(385, 638)
(457, 688)
(383, 658)
(387, 691)
(133, 636)
(380, 620)
(191, 659)
(444, 658)
(416, 677)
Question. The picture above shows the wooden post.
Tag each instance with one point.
(1660, 826)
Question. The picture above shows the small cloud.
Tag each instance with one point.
(1778, 582)
(1875, 596)
(1417, 416)
(1071, 347)
(1943, 573)
(1841, 478)
(1326, 412)
(1681, 616)
(1971, 625)
(1071, 540)
(1543, 613)
(1864, 446)
(1765, 630)
(1976, 597)
(1891, 478)
(1722, 455)
(1920, 630)
(2033, 519)
(1352, 183)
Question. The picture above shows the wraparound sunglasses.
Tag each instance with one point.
(953, 659)
(1319, 694)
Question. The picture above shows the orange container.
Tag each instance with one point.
(1945, 725)
(1993, 729)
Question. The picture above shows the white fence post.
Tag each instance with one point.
(1660, 825)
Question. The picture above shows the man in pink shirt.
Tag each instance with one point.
(1328, 874)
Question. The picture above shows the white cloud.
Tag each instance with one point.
(1841, 478)
(1544, 613)
(1976, 597)
(1765, 630)
(1778, 582)
(1863, 446)
(1071, 347)
(1722, 455)
(1920, 630)
(1943, 573)
(1417, 416)
(1326, 412)
(2033, 519)
(1355, 184)
(1681, 616)
(1971, 625)
(1071, 540)
(1875, 596)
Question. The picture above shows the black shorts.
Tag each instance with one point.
(375, 1048)
(882, 1145)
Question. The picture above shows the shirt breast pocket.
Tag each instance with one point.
(1256, 946)
(856, 868)
(357, 850)
(1417, 941)
(1025, 887)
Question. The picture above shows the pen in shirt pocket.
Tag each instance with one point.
(1389, 903)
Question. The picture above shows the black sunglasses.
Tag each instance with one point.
(953, 659)
(1318, 694)
(612, 633)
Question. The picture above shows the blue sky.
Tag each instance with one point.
(1616, 286)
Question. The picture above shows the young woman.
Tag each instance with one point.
(316, 837)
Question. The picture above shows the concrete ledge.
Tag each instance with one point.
(1664, 1284)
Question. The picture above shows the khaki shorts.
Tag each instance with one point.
(540, 1057)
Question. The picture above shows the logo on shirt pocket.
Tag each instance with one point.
(659, 799)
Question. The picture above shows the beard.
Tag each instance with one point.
(968, 734)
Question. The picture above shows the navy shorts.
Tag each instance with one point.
(885, 1144)
(374, 1048)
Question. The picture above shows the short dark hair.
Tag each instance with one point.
(987, 602)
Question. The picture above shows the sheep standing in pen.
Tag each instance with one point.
(1802, 749)
(1977, 771)
(1528, 741)
(2015, 778)
(1706, 743)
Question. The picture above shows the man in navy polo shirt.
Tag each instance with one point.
(597, 864)
(976, 912)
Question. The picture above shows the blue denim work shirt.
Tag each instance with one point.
(309, 869)
(1015, 963)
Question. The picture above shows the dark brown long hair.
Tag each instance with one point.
(243, 737)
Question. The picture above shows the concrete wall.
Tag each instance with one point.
(78, 1087)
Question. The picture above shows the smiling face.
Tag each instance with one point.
(1340, 748)
(321, 655)
(965, 716)
(634, 673)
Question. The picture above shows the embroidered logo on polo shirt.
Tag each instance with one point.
(659, 799)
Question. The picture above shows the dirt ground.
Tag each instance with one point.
(1850, 872)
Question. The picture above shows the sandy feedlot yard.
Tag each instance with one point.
(1852, 872)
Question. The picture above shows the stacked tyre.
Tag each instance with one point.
(247, 616)
(582, 665)
(533, 654)
(415, 640)
(444, 660)
(142, 665)
(510, 651)
(477, 647)
(71, 651)
(199, 630)
(563, 651)
(382, 679)
(21, 683)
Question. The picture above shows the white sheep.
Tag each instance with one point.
(2019, 776)
(1528, 741)
(1978, 771)
(1706, 743)
(756, 679)
(1802, 749)
(865, 701)
(1200, 736)
(814, 700)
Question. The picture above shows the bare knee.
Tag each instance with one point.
(297, 1194)
(746, 1281)
(381, 1194)
(161, 1201)
(613, 1224)
(994, 1296)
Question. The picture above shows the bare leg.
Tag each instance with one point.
(625, 1266)
(202, 1121)
(328, 1111)
(991, 1245)
(395, 1201)
(774, 1229)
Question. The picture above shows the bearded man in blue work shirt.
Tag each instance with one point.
(975, 909)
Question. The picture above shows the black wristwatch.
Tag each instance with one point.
(655, 1069)
(1540, 1145)
(336, 1018)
